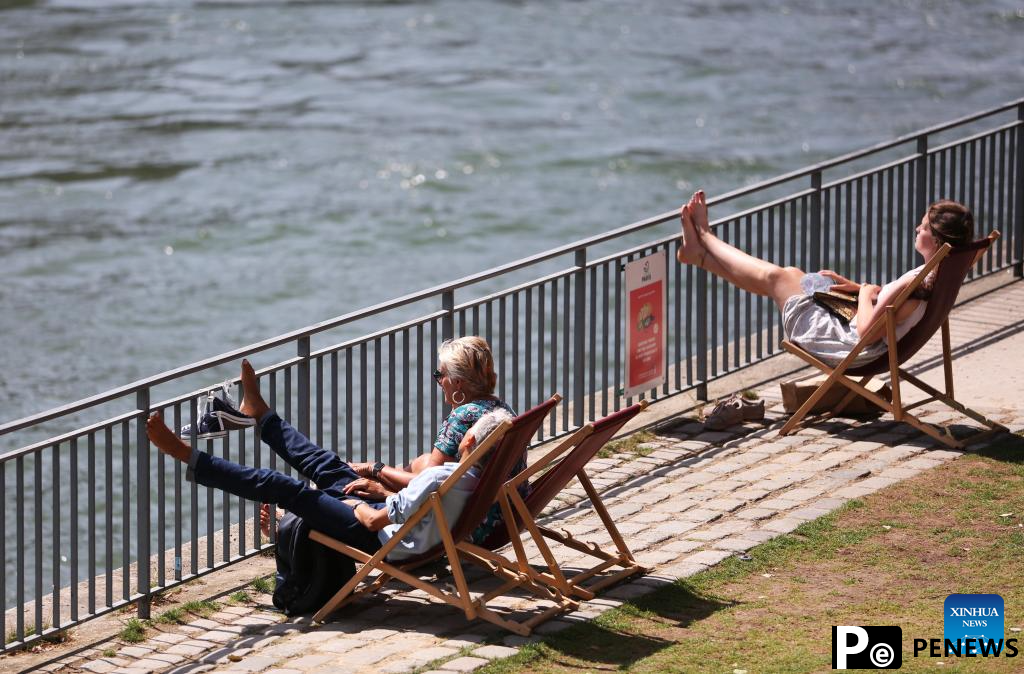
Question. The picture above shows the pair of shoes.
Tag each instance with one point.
(219, 415)
(734, 410)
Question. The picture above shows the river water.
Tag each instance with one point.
(180, 178)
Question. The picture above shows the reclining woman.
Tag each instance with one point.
(332, 507)
(805, 322)
(467, 378)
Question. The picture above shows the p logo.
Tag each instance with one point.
(867, 647)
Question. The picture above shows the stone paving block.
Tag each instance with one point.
(493, 652)
(736, 544)
(279, 670)
(725, 504)
(756, 535)
(134, 652)
(724, 486)
(166, 658)
(862, 446)
(779, 503)
(190, 647)
(683, 546)
(754, 514)
(754, 473)
(655, 558)
(854, 491)
(649, 537)
(849, 474)
(898, 473)
(783, 525)
(169, 638)
(750, 494)
(706, 557)
(286, 649)
(465, 640)
(876, 483)
(670, 529)
(99, 666)
(252, 663)
(463, 664)
(218, 636)
(830, 503)
(649, 516)
(340, 644)
(204, 624)
(307, 662)
(624, 510)
(808, 513)
(943, 454)
(720, 530)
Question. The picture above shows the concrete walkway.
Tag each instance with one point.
(695, 499)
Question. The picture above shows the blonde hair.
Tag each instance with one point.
(469, 360)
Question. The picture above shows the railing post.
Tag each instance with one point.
(302, 351)
(921, 175)
(702, 334)
(815, 261)
(1018, 209)
(448, 320)
(579, 337)
(142, 503)
(447, 331)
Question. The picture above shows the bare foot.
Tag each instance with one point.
(691, 251)
(265, 518)
(699, 212)
(252, 402)
(165, 439)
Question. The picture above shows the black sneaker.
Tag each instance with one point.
(218, 416)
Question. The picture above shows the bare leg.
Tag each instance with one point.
(165, 439)
(252, 402)
(735, 266)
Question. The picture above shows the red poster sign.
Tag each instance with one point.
(645, 319)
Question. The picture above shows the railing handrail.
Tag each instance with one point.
(479, 277)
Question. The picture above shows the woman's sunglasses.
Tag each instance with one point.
(437, 376)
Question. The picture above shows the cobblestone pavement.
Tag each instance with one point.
(696, 498)
(693, 500)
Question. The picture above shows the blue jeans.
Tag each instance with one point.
(321, 508)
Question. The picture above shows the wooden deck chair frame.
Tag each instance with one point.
(456, 550)
(900, 351)
(559, 466)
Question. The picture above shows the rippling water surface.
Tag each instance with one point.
(180, 178)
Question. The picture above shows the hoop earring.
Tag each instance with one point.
(456, 400)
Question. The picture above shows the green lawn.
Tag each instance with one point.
(888, 559)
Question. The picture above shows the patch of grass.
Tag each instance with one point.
(173, 616)
(203, 608)
(628, 445)
(134, 630)
(749, 394)
(240, 597)
(263, 585)
(888, 559)
(109, 653)
(13, 635)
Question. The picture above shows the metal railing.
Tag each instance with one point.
(91, 518)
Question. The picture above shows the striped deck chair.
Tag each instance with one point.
(507, 443)
(520, 515)
(953, 266)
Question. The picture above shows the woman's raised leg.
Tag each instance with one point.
(702, 248)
